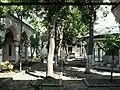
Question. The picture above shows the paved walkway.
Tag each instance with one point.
(71, 76)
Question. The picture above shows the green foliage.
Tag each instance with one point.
(1, 17)
(74, 28)
(34, 41)
(6, 65)
(75, 22)
(111, 42)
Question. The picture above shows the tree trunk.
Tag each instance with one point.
(52, 44)
(65, 47)
(91, 39)
(50, 57)
(32, 51)
(112, 66)
(58, 43)
(56, 46)
(51, 48)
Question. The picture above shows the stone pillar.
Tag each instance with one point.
(17, 52)
(93, 58)
(84, 52)
(81, 49)
(23, 50)
(13, 53)
(26, 50)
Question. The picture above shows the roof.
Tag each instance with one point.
(23, 21)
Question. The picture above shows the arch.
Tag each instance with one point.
(9, 35)
(13, 30)
(9, 49)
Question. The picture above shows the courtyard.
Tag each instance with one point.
(72, 79)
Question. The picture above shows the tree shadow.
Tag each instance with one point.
(73, 72)
(36, 67)
(48, 82)
(79, 73)
(67, 85)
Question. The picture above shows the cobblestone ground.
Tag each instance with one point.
(72, 79)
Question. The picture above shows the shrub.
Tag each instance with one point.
(6, 65)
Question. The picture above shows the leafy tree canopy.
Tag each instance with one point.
(111, 42)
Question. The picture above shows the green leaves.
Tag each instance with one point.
(34, 40)
(74, 27)
(111, 42)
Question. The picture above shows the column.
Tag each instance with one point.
(17, 52)
(13, 52)
(84, 52)
(23, 51)
(81, 49)
(26, 50)
(93, 58)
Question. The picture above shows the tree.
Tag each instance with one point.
(110, 45)
(50, 15)
(89, 16)
(59, 11)
(34, 43)
(54, 12)
(1, 26)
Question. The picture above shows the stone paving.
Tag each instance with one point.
(71, 76)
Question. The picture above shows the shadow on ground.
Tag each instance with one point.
(67, 85)
(78, 72)
(73, 72)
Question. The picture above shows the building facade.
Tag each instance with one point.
(11, 38)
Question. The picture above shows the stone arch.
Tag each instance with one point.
(14, 31)
(9, 44)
